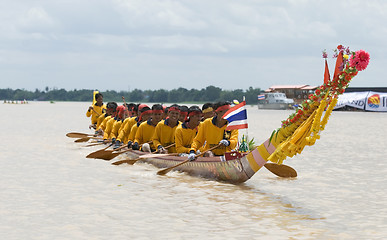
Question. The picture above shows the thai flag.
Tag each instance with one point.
(261, 97)
(236, 117)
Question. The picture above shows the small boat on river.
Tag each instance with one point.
(277, 101)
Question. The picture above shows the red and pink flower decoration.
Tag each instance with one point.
(360, 60)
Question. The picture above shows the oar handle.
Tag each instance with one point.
(201, 154)
(115, 154)
(96, 113)
(171, 145)
(107, 146)
(166, 170)
(126, 106)
(125, 145)
(153, 155)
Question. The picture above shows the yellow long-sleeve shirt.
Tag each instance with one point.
(102, 126)
(145, 133)
(210, 135)
(164, 135)
(133, 131)
(98, 111)
(109, 128)
(184, 137)
(124, 132)
(100, 120)
(116, 127)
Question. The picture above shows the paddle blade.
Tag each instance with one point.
(109, 156)
(94, 144)
(96, 154)
(151, 155)
(85, 139)
(76, 135)
(128, 161)
(281, 170)
(165, 171)
(102, 154)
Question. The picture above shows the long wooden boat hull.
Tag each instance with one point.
(237, 169)
(232, 171)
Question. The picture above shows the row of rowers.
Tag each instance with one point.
(168, 130)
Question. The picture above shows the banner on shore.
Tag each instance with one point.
(376, 102)
(369, 101)
(352, 99)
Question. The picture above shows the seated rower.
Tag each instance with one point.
(132, 109)
(213, 132)
(186, 132)
(144, 114)
(165, 113)
(164, 134)
(208, 111)
(111, 109)
(96, 110)
(124, 131)
(146, 130)
(110, 123)
(183, 113)
(122, 115)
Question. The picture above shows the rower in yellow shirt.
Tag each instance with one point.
(96, 110)
(208, 111)
(122, 115)
(146, 130)
(110, 109)
(143, 115)
(164, 134)
(124, 132)
(110, 123)
(186, 132)
(183, 113)
(213, 132)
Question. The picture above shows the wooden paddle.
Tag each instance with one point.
(85, 139)
(281, 170)
(102, 152)
(110, 155)
(78, 135)
(151, 155)
(166, 170)
(96, 113)
(115, 154)
(94, 144)
(126, 106)
(171, 145)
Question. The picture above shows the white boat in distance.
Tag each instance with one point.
(275, 100)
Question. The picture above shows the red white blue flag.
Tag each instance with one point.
(236, 117)
(261, 97)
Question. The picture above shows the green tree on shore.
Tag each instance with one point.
(208, 94)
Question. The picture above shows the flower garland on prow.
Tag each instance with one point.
(305, 124)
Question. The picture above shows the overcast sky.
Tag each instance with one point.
(153, 44)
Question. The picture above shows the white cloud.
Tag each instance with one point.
(36, 19)
(185, 42)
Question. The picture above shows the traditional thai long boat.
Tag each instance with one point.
(302, 128)
(233, 167)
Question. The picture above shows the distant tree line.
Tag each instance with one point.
(179, 95)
